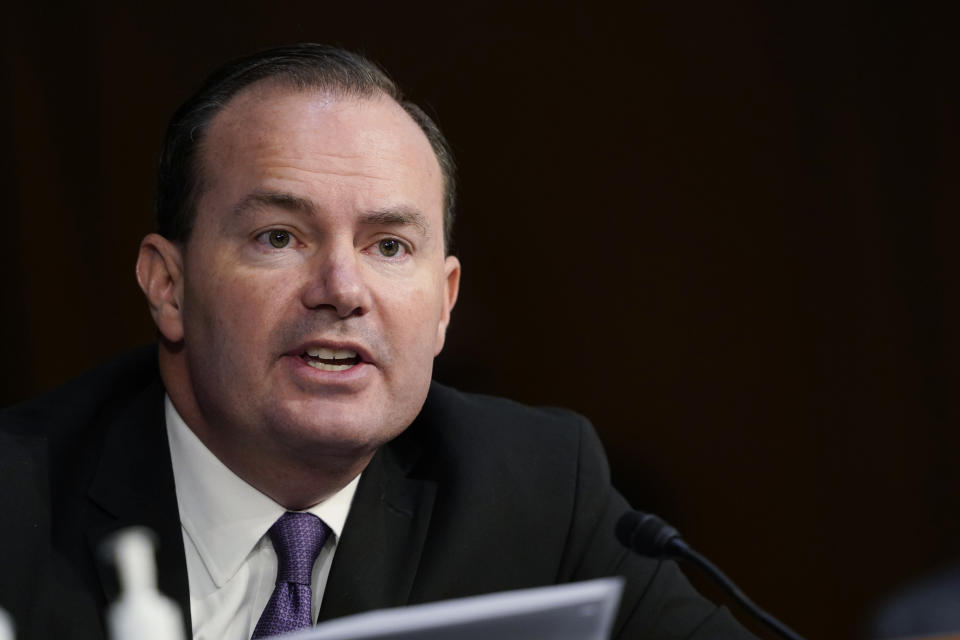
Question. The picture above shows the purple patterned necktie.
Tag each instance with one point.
(297, 539)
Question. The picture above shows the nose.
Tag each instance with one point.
(336, 282)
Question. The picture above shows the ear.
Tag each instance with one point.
(451, 288)
(160, 275)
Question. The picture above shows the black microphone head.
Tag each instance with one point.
(648, 535)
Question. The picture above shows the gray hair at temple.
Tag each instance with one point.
(179, 179)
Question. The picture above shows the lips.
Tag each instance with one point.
(330, 359)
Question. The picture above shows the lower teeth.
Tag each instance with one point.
(323, 366)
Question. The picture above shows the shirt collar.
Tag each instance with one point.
(224, 516)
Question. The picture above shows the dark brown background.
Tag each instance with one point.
(724, 233)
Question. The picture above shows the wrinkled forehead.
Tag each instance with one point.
(278, 122)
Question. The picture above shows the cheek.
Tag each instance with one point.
(234, 311)
(415, 313)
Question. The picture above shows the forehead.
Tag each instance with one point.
(313, 137)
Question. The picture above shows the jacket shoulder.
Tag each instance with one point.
(486, 433)
(84, 398)
(458, 412)
(511, 457)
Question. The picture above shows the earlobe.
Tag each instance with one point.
(160, 275)
(450, 293)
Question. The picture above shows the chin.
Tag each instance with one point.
(326, 432)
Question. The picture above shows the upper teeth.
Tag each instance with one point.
(331, 354)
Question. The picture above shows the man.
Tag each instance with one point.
(301, 284)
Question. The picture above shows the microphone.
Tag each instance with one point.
(650, 536)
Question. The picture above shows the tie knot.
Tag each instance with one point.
(297, 538)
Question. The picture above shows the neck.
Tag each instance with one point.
(294, 486)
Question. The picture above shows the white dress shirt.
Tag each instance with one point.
(231, 564)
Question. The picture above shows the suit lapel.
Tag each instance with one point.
(133, 485)
(378, 554)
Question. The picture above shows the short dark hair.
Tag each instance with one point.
(303, 66)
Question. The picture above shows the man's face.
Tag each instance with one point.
(315, 289)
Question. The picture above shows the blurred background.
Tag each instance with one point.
(723, 231)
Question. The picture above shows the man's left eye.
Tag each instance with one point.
(390, 247)
(279, 238)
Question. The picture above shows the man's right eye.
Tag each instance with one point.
(278, 238)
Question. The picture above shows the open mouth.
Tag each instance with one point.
(330, 359)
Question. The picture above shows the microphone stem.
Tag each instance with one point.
(685, 551)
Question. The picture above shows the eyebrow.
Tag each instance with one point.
(286, 201)
(400, 216)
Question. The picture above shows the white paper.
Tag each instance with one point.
(577, 611)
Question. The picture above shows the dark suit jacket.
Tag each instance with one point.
(480, 494)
